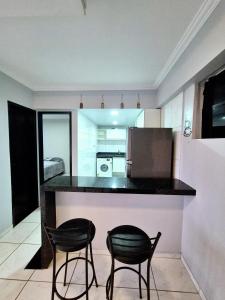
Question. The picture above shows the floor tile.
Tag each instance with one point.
(123, 278)
(97, 251)
(94, 293)
(171, 275)
(102, 266)
(5, 250)
(132, 294)
(46, 274)
(13, 266)
(100, 294)
(10, 289)
(19, 233)
(128, 278)
(35, 237)
(40, 290)
(178, 296)
(35, 216)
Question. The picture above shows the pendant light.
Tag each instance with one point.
(138, 103)
(102, 103)
(121, 103)
(84, 4)
(81, 102)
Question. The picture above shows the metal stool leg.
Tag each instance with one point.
(53, 274)
(111, 282)
(148, 279)
(86, 271)
(67, 254)
(140, 292)
(92, 261)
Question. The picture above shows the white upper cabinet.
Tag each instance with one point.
(149, 118)
(116, 134)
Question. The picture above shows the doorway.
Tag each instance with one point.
(102, 140)
(55, 144)
(23, 158)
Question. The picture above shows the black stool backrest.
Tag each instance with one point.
(154, 242)
(69, 237)
(128, 241)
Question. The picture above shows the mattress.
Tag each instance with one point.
(53, 168)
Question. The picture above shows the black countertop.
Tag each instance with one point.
(119, 185)
(110, 154)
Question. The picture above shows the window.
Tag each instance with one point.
(213, 111)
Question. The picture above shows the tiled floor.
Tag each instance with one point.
(170, 280)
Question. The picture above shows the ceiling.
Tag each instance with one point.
(117, 45)
(112, 117)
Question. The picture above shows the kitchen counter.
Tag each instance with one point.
(144, 202)
(110, 154)
(119, 185)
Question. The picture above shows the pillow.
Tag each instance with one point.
(58, 159)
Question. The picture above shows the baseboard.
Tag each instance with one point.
(167, 255)
(201, 294)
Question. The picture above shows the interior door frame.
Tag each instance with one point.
(40, 140)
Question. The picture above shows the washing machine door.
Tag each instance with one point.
(104, 167)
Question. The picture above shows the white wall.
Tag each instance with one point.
(203, 246)
(111, 146)
(202, 164)
(152, 213)
(71, 100)
(171, 117)
(140, 121)
(15, 92)
(86, 146)
(149, 118)
(112, 99)
(56, 140)
(208, 43)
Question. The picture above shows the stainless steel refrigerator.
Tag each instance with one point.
(149, 152)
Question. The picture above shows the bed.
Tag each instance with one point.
(52, 167)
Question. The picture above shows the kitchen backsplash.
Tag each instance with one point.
(111, 146)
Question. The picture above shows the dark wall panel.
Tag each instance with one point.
(23, 157)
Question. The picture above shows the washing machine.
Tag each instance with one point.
(104, 167)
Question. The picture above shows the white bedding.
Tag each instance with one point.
(53, 168)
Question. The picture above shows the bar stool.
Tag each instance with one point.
(130, 245)
(72, 235)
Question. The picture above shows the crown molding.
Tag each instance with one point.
(79, 88)
(16, 77)
(202, 15)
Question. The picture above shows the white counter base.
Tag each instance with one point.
(152, 213)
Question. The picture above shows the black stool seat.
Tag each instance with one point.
(130, 245)
(72, 235)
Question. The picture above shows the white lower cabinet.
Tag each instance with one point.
(119, 164)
